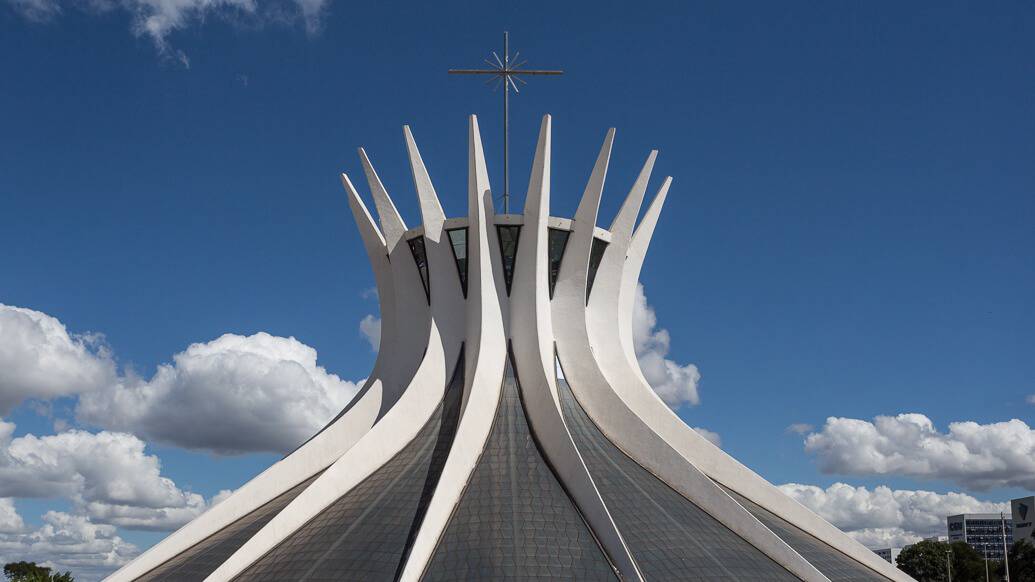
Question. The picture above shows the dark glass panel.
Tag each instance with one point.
(508, 236)
(832, 563)
(558, 240)
(595, 254)
(201, 559)
(670, 537)
(420, 256)
(458, 242)
(515, 521)
(367, 533)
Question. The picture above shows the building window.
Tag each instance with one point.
(595, 254)
(508, 236)
(558, 240)
(458, 242)
(420, 256)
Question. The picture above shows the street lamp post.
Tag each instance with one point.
(1006, 554)
(986, 564)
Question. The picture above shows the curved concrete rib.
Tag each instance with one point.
(532, 344)
(631, 274)
(483, 387)
(377, 253)
(400, 423)
(391, 222)
(390, 435)
(625, 377)
(314, 455)
(447, 297)
(575, 263)
(412, 313)
(430, 208)
(625, 220)
(585, 368)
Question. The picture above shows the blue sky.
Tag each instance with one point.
(850, 222)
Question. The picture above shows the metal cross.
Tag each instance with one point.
(505, 71)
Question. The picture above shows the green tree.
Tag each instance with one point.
(967, 563)
(925, 561)
(1022, 562)
(30, 572)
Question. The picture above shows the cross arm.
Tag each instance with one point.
(516, 72)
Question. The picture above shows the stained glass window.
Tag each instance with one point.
(595, 254)
(508, 236)
(458, 241)
(558, 240)
(420, 256)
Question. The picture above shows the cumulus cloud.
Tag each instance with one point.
(231, 395)
(158, 19)
(711, 436)
(883, 517)
(676, 384)
(800, 428)
(10, 521)
(68, 542)
(977, 456)
(40, 359)
(370, 329)
(107, 476)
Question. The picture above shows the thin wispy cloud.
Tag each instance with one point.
(370, 329)
(800, 428)
(159, 20)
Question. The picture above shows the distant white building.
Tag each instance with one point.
(889, 554)
(1023, 511)
(982, 531)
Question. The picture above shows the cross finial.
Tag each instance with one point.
(505, 72)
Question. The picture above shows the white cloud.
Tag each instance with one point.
(977, 456)
(883, 517)
(370, 329)
(1031, 399)
(230, 395)
(68, 542)
(10, 521)
(676, 384)
(800, 428)
(711, 436)
(233, 394)
(158, 19)
(40, 359)
(107, 476)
